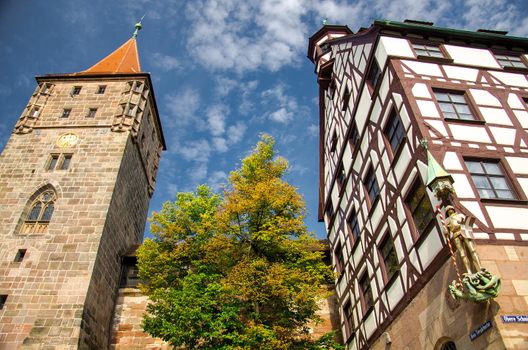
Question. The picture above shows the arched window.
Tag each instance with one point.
(40, 212)
(449, 346)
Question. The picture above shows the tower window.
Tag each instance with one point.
(101, 89)
(427, 50)
(489, 179)
(510, 61)
(3, 299)
(390, 259)
(394, 132)
(454, 105)
(35, 112)
(129, 273)
(76, 90)
(40, 212)
(66, 112)
(91, 113)
(66, 160)
(420, 208)
(54, 158)
(20, 255)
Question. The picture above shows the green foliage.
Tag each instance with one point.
(238, 271)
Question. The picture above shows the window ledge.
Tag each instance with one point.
(523, 70)
(504, 201)
(465, 121)
(434, 59)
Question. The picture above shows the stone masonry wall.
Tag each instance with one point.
(47, 290)
(433, 317)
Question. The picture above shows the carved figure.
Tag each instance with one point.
(457, 224)
(476, 287)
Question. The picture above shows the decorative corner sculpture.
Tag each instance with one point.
(476, 284)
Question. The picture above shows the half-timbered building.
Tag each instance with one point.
(383, 91)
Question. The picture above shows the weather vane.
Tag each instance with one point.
(138, 27)
(325, 20)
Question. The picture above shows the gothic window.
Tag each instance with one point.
(394, 132)
(510, 61)
(428, 50)
(420, 208)
(389, 257)
(40, 212)
(489, 179)
(454, 105)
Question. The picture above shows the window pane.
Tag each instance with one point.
(492, 168)
(48, 212)
(481, 181)
(53, 162)
(66, 162)
(462, 109)
(505, 194)
(483, 193)
(447, 107)
(474, 167)
(457, 98)
(499, 183)
(35, 211)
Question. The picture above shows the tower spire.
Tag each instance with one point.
(138, 27)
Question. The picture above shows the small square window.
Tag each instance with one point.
(366, 293)
(3, 299)
(374, 74)
(427, 50)
(510, 61)
(54, 158)
(138, 86)
(20, 255)
(389, 256)
(35, 112)
(394, 132)
(76, 90)
(66, 160)
(454, 105)
(489, 179)
(372, 185)
(66, 112)
(91, 113)
(101, 89)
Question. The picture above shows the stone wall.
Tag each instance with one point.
(433, 317)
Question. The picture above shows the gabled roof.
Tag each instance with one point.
(124, 59)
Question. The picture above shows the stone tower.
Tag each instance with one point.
(76, 177)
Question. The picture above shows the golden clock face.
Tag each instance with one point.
(67, 140)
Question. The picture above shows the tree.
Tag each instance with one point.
(237, 271)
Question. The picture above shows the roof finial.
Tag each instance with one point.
(325, 20)
(138, 27)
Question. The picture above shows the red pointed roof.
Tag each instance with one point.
(124, 59)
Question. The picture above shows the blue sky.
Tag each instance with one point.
(223, 71)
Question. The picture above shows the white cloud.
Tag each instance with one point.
(220, 144)
(236, 132)
(246, 35)
(283, 107)
(165, 62)
(216, 116)
(247, 104)
(217, 180)
(313, 130)
(182, 106)
(195, 150)
(224, 86)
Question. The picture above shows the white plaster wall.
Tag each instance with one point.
(518, 165)
(495, 116)
(461, 73)
(388, 46)
(420, 90)
(430, 247)
(428, 108)
(511, 79)
(484, 98)
(474, 208)
(508, 217)
(469, 133)
(471, 57)
(394, 294)
(503, 136)
(423, 68)
(462, 187)
(451, 161)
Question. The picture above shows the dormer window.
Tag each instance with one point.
(428, 50)
(508, 61)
